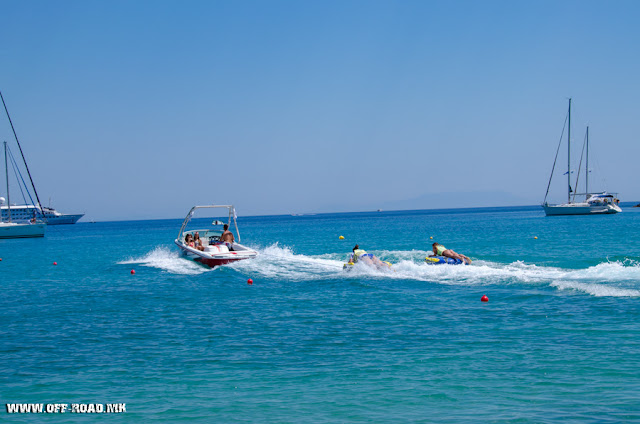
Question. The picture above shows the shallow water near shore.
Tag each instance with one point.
(557, 340)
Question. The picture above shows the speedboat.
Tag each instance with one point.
(215, 252)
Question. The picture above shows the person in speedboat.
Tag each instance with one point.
(188, 240)
(440, 250)
(227, 237)
(368, 258)
(197, 242)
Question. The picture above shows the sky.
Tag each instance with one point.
(140, 110)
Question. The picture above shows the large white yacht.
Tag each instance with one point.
(52, 216)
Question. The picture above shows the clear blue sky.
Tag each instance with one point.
(134, 109)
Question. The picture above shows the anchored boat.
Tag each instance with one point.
(53, 217)
(594, 203)
(212, 251)
(12, 229)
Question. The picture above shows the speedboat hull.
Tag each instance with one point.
(214, 262)
(218, 254)
(580, 209)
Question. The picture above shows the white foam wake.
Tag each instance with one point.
(168, 260)
(278, 262)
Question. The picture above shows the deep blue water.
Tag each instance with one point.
(307, 342)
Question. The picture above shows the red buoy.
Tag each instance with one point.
(249, 281)
(133, 271)
(55, 263)
(484, 298)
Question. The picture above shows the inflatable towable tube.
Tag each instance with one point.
(438, 260)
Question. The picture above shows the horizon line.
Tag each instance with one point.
(346, 212)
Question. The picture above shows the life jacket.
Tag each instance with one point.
(357, 253)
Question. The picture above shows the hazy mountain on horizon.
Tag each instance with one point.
(443, 200)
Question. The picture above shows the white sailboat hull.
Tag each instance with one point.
(580, 209)
(9, 230)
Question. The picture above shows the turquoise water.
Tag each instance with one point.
(557, 341)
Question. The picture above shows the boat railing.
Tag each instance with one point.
(232, 218)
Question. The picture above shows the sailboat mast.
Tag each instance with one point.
(587, 170)
(22, 154)
(6, 168)
(569, 157)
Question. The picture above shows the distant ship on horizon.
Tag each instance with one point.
(52, 216)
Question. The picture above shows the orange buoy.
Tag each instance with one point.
(249, 281)
(484, 298)
(133, 271)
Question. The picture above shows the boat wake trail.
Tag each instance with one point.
(606, 279)
(615, 279)
(281, 263)
(168, 260)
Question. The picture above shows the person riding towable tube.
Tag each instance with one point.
(369, 258)
(440, 250)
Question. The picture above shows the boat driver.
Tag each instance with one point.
(227, 237)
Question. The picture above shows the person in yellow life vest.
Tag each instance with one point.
(360, 254)
(440, 250)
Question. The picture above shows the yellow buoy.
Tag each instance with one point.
(536, 237)
(431, 238)
(341, 237)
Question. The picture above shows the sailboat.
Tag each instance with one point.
(28, 210)
(10, 229)
(594, 203)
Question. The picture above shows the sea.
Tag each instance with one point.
(557, 341)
